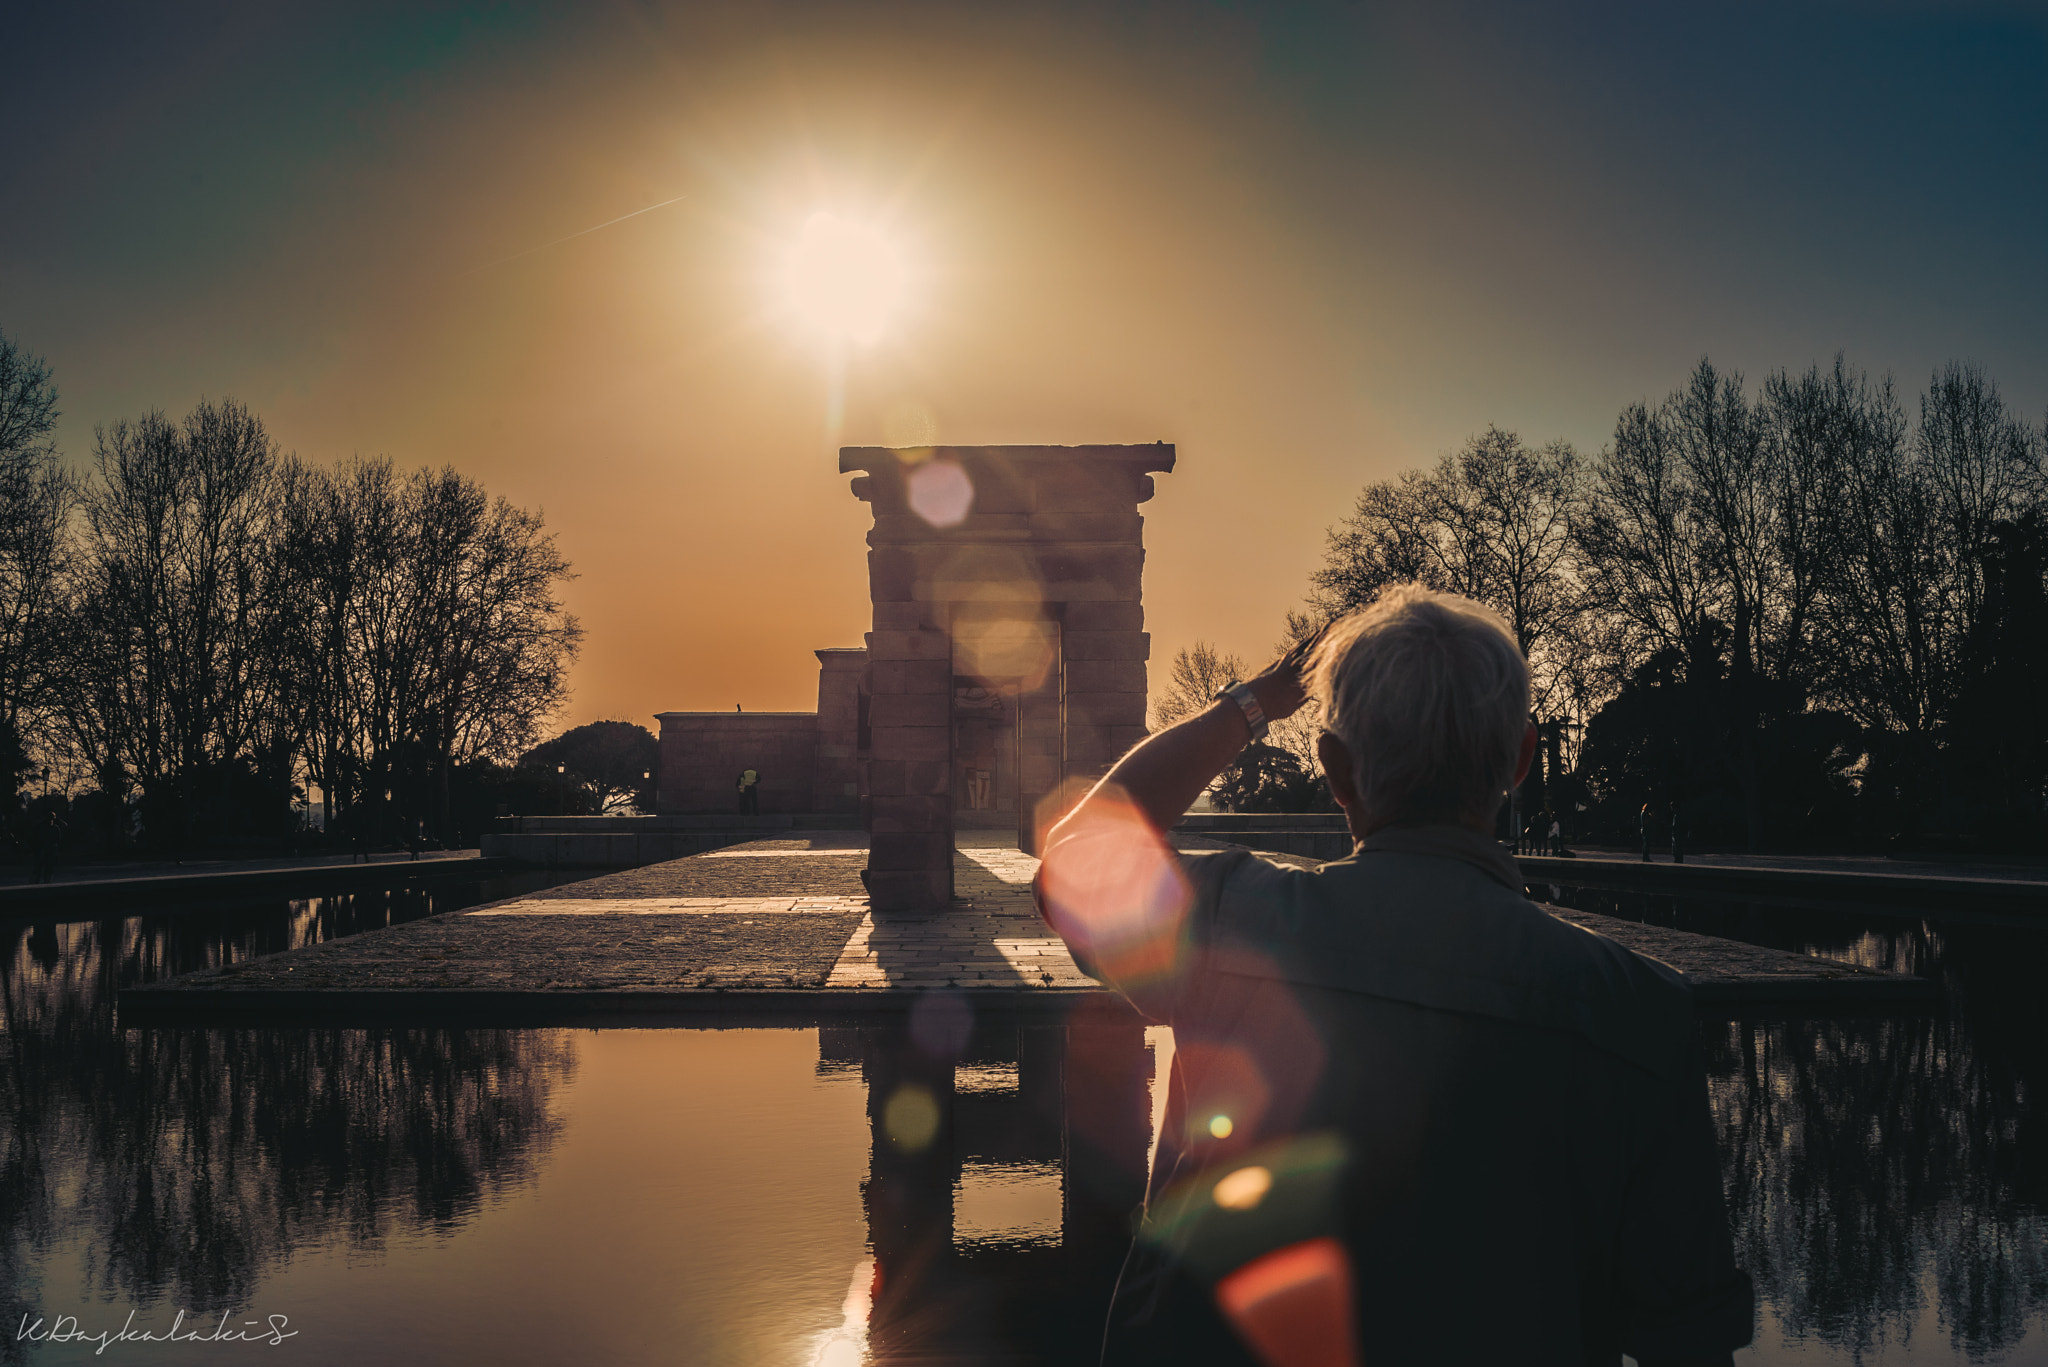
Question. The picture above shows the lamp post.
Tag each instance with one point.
(562, 789)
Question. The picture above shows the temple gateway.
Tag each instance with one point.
(1005, 660)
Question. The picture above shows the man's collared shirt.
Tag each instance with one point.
(1501, 1115)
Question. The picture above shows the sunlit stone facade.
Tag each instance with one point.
(1005, 661)
(1007, 656)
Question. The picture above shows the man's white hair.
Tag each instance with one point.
(1430, 694)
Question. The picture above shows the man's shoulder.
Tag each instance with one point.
(1443, 934)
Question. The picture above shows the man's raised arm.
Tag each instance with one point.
(1163, 774)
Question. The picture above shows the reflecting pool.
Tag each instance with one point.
(931, 1187)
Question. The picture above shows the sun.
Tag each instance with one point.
(845, 279)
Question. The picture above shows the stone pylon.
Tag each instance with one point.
(1015, 570)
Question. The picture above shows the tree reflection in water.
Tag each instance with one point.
(1879, 1166)
(1884, 1172)
(184, 1163)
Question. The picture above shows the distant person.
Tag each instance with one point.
(750, 792)
(1556, 837)
(44, 839)
(1643, 823)
(1413, 1118)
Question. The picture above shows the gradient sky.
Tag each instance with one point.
(1312, 244)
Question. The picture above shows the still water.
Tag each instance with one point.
(752, 1196)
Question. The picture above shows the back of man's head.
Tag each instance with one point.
(1430, 694)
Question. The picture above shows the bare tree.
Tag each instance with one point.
(1707, 535)
(1645, 545)
(1981, 465)
(36, 500)
(435, 635)
(1198, 673)
(174, 631)
(1492, 521)
(1395, 534)
(238, 617)
(1918, 515)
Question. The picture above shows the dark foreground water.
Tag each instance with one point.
(756, 1196)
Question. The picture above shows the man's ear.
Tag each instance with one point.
(1337, 768)
(1527, 755)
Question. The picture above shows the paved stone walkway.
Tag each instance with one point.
(782, 925)
(995, 940)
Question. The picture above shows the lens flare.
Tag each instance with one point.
(1293, 1306)
(1244, 1189)
(1116, 894)
(1220, 1126)
(940, 492)
(911, 1118)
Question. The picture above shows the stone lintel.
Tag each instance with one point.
(1144, 457)
(1012, 480)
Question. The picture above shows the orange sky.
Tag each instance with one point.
(1307, 268)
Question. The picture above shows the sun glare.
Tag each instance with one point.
(845, 279)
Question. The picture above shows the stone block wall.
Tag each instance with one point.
(1031, 588)
(808, 761)
(702, 754)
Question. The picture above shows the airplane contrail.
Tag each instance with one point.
(580, 232)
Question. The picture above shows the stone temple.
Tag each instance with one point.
(1005, 660)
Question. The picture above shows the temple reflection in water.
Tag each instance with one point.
(963, 1186)
(1007, 1158)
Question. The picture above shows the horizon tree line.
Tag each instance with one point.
(201, 624)
(1792, 611)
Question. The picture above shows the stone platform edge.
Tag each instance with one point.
(32, 900)
(161, 1004)
(165, 1003)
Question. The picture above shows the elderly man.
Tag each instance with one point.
(1413, 1118)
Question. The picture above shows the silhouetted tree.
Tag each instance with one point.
(235, 619)
(1493, 522)
(1197, 674)
(36, 499)
(607, 759)
(1268, 778)
(430, 616)
(1806, 568)
(174, 638)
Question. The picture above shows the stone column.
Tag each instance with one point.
(1017, 568)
